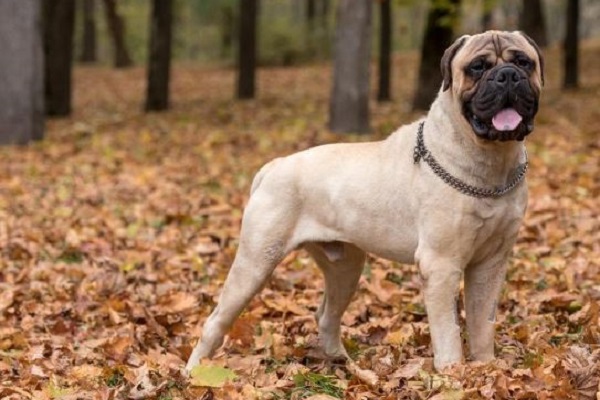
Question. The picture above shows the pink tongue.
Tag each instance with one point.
(506, 120)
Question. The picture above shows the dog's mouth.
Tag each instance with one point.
(505, 124)
(501, 116)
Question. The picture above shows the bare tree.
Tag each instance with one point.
(59, 23)
(21, 72)
(88, 42)
(571, 46)
(324, 12)
(487, 14)
(247, 49)
(438, 37)
(116, 27)
(311, 11)
(532, 21)
(385, 50)
(349, 103)
(317, 28)
(227, 27)
(159, 58)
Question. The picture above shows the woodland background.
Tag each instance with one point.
(118, 224)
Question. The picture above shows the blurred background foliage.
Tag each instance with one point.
(204, 30)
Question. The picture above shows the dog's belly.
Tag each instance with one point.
(404, 253)
(355, 193)
(397, 243)
(382, 223)
(394, 241)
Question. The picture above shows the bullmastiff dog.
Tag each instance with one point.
(446, 192)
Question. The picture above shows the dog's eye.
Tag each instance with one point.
(523, 62)
(478, 66)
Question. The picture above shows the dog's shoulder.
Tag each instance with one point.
(404, 137)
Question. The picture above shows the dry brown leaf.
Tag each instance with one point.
(409, 370)
(367, 376)
(584, 370)
(177, 302)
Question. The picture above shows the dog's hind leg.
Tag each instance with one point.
(246, 278)
(342, 265)
(260, 250)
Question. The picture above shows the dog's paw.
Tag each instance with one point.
(318, 350)
(447, 368)
(187, 370)
(318, 355)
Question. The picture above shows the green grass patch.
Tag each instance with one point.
(310, 384)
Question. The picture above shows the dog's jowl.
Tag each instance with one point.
(446, 192)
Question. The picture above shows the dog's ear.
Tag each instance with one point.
(446, 63)
(537, 50)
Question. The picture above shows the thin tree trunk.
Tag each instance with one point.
(21, 72)
(349, 104)
(385, 50)
(487, 14)
(159, 59)
(116, 27)
(325, 12)
(88, 48)
(311, 13)
(227, 22)
(532, 21)
(571, 45)
(59, 23)
(247, 49)
(486, 20)
(438, 37)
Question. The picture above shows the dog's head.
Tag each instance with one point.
(495, 78)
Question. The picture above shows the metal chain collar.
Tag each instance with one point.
(421, 152)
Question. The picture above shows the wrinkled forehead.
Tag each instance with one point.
(498, 44)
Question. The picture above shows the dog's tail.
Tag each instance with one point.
(258, 178)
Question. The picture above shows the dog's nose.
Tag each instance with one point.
(506, 75)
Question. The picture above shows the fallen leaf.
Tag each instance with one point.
(367, 376)
(211, 376)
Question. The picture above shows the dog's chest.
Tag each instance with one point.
(495, 224)
(469, 228)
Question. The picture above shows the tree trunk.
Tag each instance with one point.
(227, 22)
(438, 37)
(247, 49)
(349, 104)
(116, 26)
(59, 23)
(385, 50)
(533, 23)
(571, 45)
(310, 11)
(487, 14)
(21, 72)
(159, 59)
(323, 14)
(88, 42)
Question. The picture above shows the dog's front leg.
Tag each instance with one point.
(483, 283)
(441, 287)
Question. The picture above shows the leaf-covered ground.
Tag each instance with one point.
(118, 230)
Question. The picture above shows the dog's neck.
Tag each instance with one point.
(478, 163)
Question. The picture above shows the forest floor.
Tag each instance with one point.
(118, 230)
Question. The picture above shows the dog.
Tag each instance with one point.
(446, 192)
